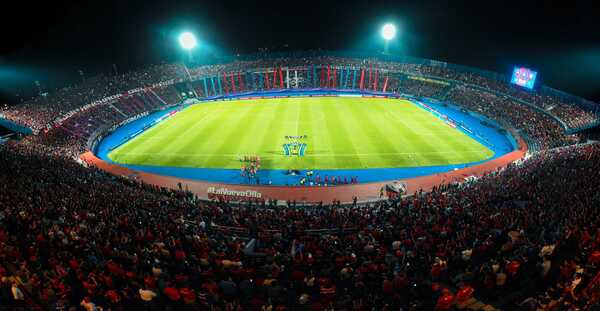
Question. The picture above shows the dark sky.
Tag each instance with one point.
(50, 41)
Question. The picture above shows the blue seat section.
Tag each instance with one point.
(486, 131)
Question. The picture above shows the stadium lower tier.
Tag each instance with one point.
(306, 138)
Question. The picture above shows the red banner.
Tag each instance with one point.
(362, 79)
(370, 75)
(225, 83)
(334, 77)
(385, 84)
(267, 79)
(280, 78)
(232, 83)
(376, 77)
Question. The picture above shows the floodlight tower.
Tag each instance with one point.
(188, 42)
(388, 32)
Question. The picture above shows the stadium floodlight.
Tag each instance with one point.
(388, 32)
(187, 40)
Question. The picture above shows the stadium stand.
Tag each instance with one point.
(69, 116)
(73, 133)
(528, 231)
(40, 112)
(540, 131)
(517, 115)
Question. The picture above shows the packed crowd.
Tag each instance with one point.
(73, 135)
(524, 237)
(565, 109)
(539, 129)
(423, 88)
(41, 111)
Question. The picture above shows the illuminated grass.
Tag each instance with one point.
(343, 133)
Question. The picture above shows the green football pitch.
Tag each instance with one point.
(341, 133)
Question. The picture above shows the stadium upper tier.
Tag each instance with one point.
(100, 101)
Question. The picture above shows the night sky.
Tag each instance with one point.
(51, 41)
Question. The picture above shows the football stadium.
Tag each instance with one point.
(304, 126)
(301, 180)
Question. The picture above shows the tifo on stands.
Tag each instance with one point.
(524, 237)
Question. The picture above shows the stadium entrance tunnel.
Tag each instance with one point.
(326, 137)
